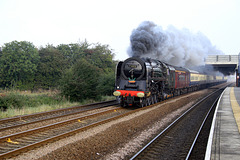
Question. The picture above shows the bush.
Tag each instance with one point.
(11, 100)
(17, 101)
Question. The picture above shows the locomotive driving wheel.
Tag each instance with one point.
(152, 99)
(122, 102)
(148, 103)
(155, 100)
(143, 103)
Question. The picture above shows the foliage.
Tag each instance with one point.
(80, 70)
(92, 72)
(51, 67)
(73, 51)
(80, 82)
(18, 101)
(18, 64)
(106, 84)
(10, 101)
(100, 56)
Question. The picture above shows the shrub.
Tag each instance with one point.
(10, 100)
(17, 101)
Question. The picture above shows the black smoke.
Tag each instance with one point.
(174, 46)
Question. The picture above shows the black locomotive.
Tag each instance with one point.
(145, 81)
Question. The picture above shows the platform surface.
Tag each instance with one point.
(224, 138)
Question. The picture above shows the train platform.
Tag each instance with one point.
(224, 138)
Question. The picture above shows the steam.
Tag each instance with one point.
(177, 47)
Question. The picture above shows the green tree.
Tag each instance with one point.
(101, 56)
(80, 82)
(96, 54)
(87, 62)
(51, 67)
(74, 51)
(18, 64)
(106, 83)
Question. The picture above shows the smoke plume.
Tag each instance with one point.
(174, 46)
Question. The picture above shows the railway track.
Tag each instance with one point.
(15, 144)
(13, 122)
(178, 140)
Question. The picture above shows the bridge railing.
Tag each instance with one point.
(222, 59)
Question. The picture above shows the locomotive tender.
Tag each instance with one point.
(145, 81)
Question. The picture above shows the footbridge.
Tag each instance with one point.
(227, 64)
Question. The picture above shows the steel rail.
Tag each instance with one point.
(20, 150)
(43, 114)
(172, 124)
(200, 129)
(63, 135)
(54, 125)
(48, 127)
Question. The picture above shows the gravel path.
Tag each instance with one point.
(118, 139)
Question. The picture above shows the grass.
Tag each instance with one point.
(14, 103)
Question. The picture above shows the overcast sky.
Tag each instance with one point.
(112, 21)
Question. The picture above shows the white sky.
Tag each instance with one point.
(112, 21)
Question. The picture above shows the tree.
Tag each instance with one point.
(18, 64)
(81, 81)
(51, 67)
(101, 56)
(84, 80)
(74, 51)
(106, 83)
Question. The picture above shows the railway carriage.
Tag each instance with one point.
(182, 78)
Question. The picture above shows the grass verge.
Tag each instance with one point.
(14, 103)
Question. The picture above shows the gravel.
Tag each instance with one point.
(48, 122)
(117, 139)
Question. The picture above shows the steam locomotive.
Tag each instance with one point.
(145, 81)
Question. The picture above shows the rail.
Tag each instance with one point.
(167, 138)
